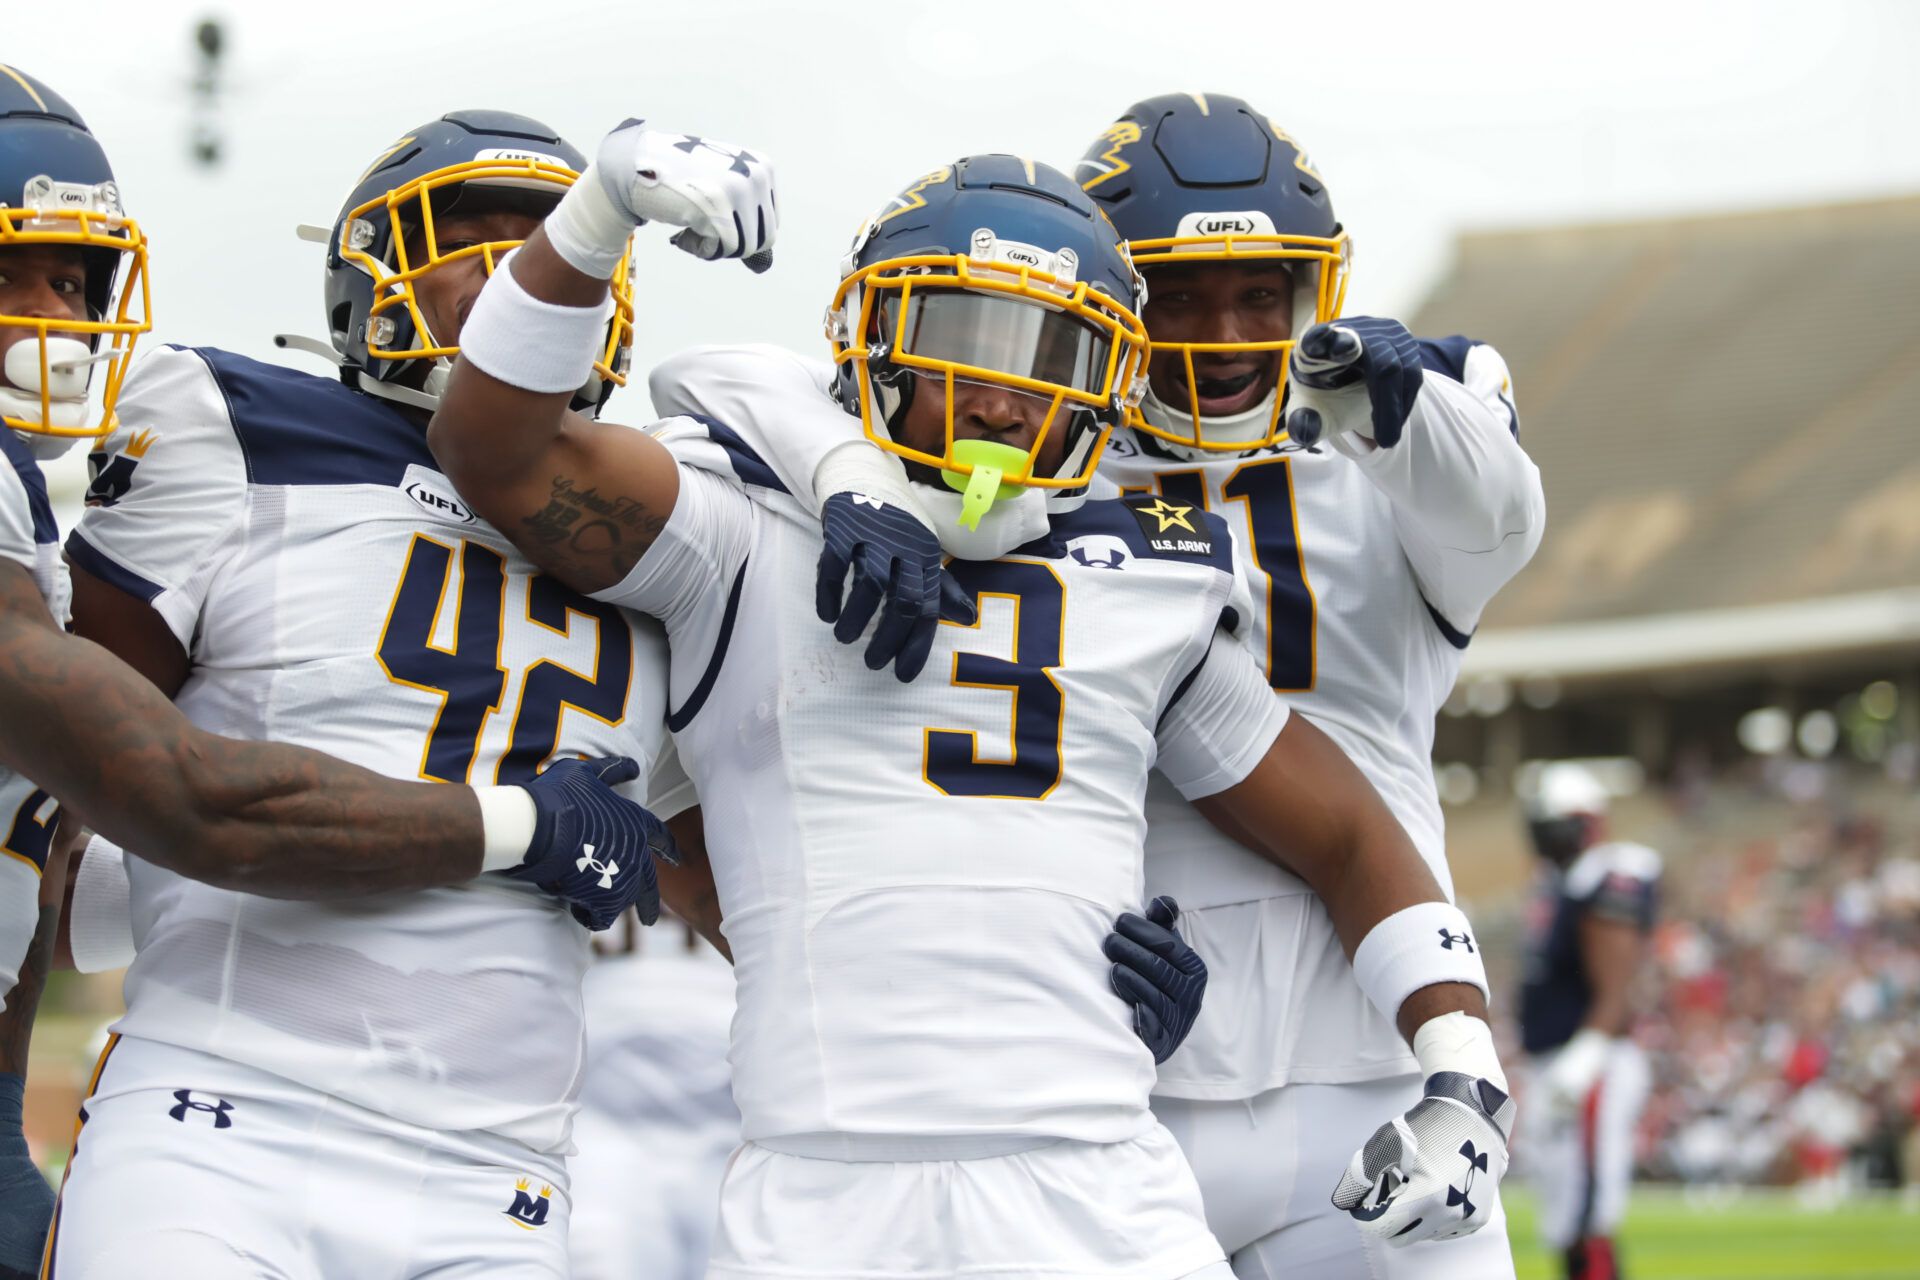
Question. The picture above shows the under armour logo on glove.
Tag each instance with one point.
(593, 848)
(1358, 376)
(1414, 1178)
(187, 1102)
(1457, 1196)
(1447, 940)
(721, 195)
(743, 161)
(607, 870)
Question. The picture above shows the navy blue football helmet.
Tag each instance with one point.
(463, 161)
(57, 189)
(998, 270)
(1204, 178)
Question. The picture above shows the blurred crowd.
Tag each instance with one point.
(1782, 1010)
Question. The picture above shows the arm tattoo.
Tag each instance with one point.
(589, 534)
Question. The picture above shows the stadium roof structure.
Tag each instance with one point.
(1726, 414)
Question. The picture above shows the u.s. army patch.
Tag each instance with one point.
(1171, 528)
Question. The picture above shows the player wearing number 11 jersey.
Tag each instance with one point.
(1370, 558)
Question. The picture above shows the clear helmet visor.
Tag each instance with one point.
(987, 334)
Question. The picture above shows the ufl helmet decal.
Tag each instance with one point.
(1202, 179)
(385, 240)
(994, 269)
(58, 197)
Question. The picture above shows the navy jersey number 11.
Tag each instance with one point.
(1265, 485)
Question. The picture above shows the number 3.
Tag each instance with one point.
(951, 762)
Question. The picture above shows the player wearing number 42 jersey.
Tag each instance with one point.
(931, 1076)
(379, 1086)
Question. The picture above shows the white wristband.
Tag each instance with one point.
(100, 918)
(1458, 1042)
(1416, 947)
(588, 229)
(527, 343)
(861, 467)
(506, 826)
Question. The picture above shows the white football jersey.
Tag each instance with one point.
(333, 592)
(1361, 610)
(916, 878)
(29, 538)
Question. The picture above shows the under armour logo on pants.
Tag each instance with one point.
(187, 1102)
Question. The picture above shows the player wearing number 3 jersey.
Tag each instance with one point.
(932, 1076)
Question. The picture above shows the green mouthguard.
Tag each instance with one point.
(984, 487)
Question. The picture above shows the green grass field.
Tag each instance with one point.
(1763, 1235)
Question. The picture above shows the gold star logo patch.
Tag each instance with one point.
(1169, 514)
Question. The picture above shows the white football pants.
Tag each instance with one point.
(1583, 1162)
(191, 1167)
(1061, 1211)
(1267, 1167)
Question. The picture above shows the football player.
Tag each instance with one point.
(1588, 943)
(1388, 540)
(931, 1077)
(1378, 498)
(380, 1086)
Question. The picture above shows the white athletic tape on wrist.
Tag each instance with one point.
(506, 825)
(1426, 943)
(100, 923)
(1458, 1042)
(588, 229)
(527, 343)
(859, 467)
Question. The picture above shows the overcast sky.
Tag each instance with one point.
(1426, 119)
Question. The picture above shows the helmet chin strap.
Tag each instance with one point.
(1247, 427)
(69, 371)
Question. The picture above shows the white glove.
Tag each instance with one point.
(1434, 1172)
(721, 195)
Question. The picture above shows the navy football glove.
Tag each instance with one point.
(26, 1201)
(895, 558)
(1344, 357)
(592, 847)
(1156, 972)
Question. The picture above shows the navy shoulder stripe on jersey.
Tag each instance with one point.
(296, 428)
(45, 531)
(747, 464)
(89, 559)
(1446, 355)
(1449, 356)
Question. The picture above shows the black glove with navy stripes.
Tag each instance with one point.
(1156, 972)
(1359, 375)
(593, 848)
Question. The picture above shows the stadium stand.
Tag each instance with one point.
(1727, 609)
